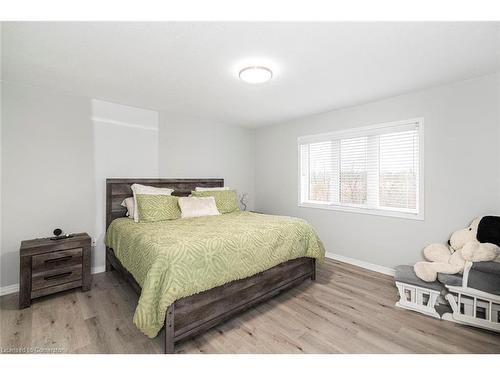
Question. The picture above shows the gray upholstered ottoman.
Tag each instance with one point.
(484, 276)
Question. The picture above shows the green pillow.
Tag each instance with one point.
(225, 200)
(157, 207)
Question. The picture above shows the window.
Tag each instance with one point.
(376, 170)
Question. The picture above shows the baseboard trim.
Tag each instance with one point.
(360, 263)
(9, 289)
(14, 288)
(99, 269)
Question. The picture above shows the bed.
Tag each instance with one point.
(192, 274)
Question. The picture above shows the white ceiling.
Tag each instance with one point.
(190, 68)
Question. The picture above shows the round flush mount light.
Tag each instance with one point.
(256, 74)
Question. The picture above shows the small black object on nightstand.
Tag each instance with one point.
(59, 236)
(48, 267)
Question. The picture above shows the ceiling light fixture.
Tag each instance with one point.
(256, 74)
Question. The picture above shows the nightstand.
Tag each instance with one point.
(50, 266)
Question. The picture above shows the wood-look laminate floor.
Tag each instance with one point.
(347, 310)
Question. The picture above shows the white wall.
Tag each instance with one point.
(53, 161)
(462, 170)
(125, 145)
(192, 147)
(47, 169)
(57, 149)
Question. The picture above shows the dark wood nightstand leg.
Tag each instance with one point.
(86, 276)
(25, 282)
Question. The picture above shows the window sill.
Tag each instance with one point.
(367, 211)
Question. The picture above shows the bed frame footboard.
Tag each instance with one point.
(195, 314)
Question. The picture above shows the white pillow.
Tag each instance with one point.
(211, 188)
(198, 206)
(129, 204)
(149, 190)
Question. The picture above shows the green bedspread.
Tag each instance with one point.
(178, 258)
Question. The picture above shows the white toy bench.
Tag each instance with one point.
(474, 298)
(471, 305)
(415, 294)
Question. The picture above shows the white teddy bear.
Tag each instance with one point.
(477, 243)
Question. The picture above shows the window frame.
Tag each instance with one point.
(353, 208)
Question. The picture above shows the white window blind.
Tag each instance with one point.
(374, 169)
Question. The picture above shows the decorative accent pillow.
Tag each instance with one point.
(195, 207)
(128, 203)
(226, 200)
(198, 188)
(157, 207)
(150, 190)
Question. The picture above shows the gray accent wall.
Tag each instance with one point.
(462, 170)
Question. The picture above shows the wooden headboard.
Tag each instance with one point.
(117, 189)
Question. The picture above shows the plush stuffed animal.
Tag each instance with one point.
(477, 243)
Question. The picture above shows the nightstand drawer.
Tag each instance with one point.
(56, 276)
(56, 260)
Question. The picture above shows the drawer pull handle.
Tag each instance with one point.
(58, 276)
(62, 259)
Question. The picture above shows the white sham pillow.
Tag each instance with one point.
(211, 188)
(128, 203)
(148, 190)
(198, 206)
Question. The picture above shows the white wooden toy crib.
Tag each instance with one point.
(461, 303)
